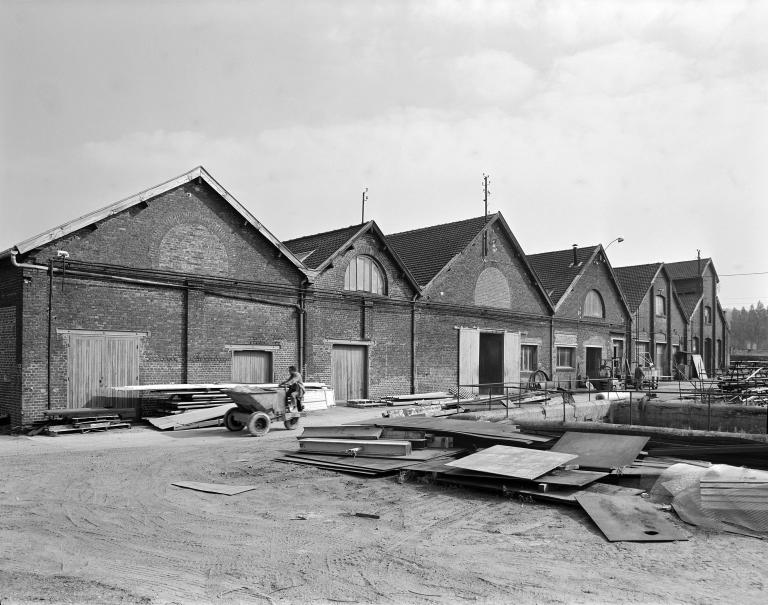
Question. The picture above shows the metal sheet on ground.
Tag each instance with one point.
(629, 519)
(360, 447)
(462, 427)
(602, 451)
(215, 488)
(572, 478)
(379, 464)
(345, 432)
(509, 461)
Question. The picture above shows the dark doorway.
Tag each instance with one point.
(594, 360)
(491, 368)
(708, 356)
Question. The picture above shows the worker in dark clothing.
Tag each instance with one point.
(294, 388)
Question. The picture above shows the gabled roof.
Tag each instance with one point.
(689, 302)
(196, 173)
(315, 249)
(428, 250)
(557, 271)
(635, 281)
(689, 269)
(319, 250)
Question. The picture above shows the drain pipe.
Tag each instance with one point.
(50, 328)
(413, 344)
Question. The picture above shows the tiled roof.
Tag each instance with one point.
(556, 270)
(635, 281)
(315, 249)
(689, 302)
(687, 269)
(426, 251)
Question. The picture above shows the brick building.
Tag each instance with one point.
(483, 316)
(659, 319)
(696, 282)
(180, 284)
(591, 317)
(176, 284)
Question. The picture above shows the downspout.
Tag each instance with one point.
(413, 344)
(301, 310)
(552, 351)
(50, 324)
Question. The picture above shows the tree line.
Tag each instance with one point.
(749, 327)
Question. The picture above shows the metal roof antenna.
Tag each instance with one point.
(486, 193)
(365, 199)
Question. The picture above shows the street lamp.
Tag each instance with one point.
(618, 239)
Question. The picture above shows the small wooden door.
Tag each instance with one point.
(349, 372)
(252, 367)
(98, 361)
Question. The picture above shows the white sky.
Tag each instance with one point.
(645, 119)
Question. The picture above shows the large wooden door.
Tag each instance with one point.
(252, 367)
(349, 372)
(469, 360)
(98, 361)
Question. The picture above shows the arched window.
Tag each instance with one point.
(492, 289)
(593, 305)
(661, 305)
(695, 344)
(707, 315)
(365, 275)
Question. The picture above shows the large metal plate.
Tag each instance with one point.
(571, 478)
(629, 519)
(509, 461)
(596, 450)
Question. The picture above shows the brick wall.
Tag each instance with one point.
(458, 285)
(10, 342)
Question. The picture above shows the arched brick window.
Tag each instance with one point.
(492, 289)
(364, 274)
(593, 304)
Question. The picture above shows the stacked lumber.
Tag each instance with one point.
(81, 420)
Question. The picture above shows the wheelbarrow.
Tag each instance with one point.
(257, 408)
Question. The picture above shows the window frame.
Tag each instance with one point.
(663, 305)
(708, 315)
(375, 274)
(571, 354)
(593, 296)
(533, 357)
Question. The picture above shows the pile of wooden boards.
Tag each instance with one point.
(82, 420)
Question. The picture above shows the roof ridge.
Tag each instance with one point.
(592, 247)
(466, 220)
(321, 233)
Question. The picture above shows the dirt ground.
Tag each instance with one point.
(94, 519)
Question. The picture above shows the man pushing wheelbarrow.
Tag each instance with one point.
(257, 407)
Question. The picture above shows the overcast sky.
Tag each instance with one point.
(599, 119)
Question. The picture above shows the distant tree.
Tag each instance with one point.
(749, 328)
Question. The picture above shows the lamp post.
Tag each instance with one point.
(618, 239)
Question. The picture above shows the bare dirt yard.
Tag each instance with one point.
(95, 518)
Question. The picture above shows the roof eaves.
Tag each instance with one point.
(328, 261)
